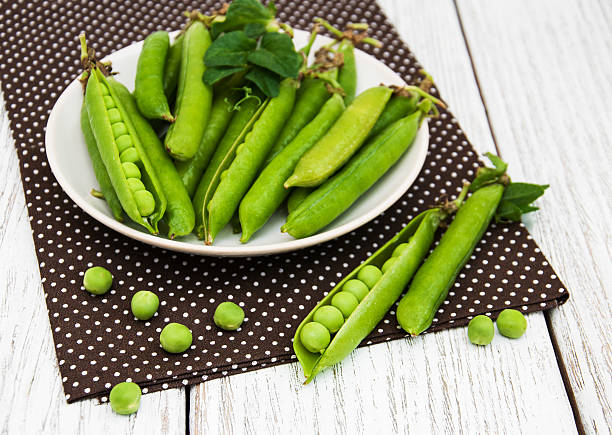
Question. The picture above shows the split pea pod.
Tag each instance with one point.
(338, 193)
(347, 76)
(235, 181)
(127, 164)
(309, 99)
(173, 66)
(268, 192)
(342, 140)
(104, 182)
(297, 196)
(220, 116)
(404, 253)
(179, 214)
(194, 98)
(239, 126)
(149, 82)
(434, 278)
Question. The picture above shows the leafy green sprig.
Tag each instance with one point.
(248, 40)
(517, 199)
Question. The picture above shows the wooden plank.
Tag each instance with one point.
(544, 68)
(32, 399)
(438, 383)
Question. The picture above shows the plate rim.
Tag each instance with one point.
(215, 250)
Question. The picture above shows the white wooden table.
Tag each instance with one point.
(530, 79)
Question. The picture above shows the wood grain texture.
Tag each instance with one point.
(438, 383)
(544, 68)
(32, 399)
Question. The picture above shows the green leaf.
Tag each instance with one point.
(500, 165)
(254, 30)
(213, 75)
(508, 212)
(231, 49)
(523, 193)
(276, 53)
(267, 81)
(242, 12)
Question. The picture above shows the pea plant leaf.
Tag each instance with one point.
(230, 49)
(243, 12)
(517, 200)
(277, 53)
(213, 75)
(267, 81)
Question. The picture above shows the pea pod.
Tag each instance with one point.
(310, 97)
(142, 198)
(430, 285)
(416, 238)
(297, 196)
(237, 129)
(149, 88)
(249, 157)
(397, 107)
(179, 215)
(267, 193)
(347, 76)
(221, 114)
(173, 66)
(337, 194)
(342, 140)
(104, 182)
(194, 98)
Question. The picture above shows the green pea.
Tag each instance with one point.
(125, 398)
(388, 264)
(175, 338)
(357, 288)
(399, 249)
(228, 316)
(109, 103)
(131, 170)
(135, 184)
(330, 317)
(119, 129)
(97, 280)
(511, 323)
(114, 115)
(124, 142)
(315, 337)
(480, 330)
(144, 304)
(346, 302)
(129, 155)
(144, 201)
(369, 274)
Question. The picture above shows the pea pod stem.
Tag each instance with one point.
(348, 34)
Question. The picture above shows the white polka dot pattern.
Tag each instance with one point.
(98, 342)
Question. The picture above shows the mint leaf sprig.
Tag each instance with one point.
(517, 198)
(248, 41)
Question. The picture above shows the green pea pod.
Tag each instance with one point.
(342, 140)
(237, 129)
(221, 114)
(397, 107)
(297, 196)
(309, 99)
(268, 192)
(179, 215)
(418, 234)
(104, 182)
(99, 95)
(173, 67)
(249, 157)
(337, 194)
(149, 88)
(434, 278)
(194, 98)
(347, 77)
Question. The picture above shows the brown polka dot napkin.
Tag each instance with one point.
(97, 340)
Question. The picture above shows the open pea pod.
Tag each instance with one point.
(417, 236)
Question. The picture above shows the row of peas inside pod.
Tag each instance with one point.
(328, 319)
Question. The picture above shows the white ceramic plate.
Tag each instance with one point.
(71, 166)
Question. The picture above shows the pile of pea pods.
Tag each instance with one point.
(181, 156)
